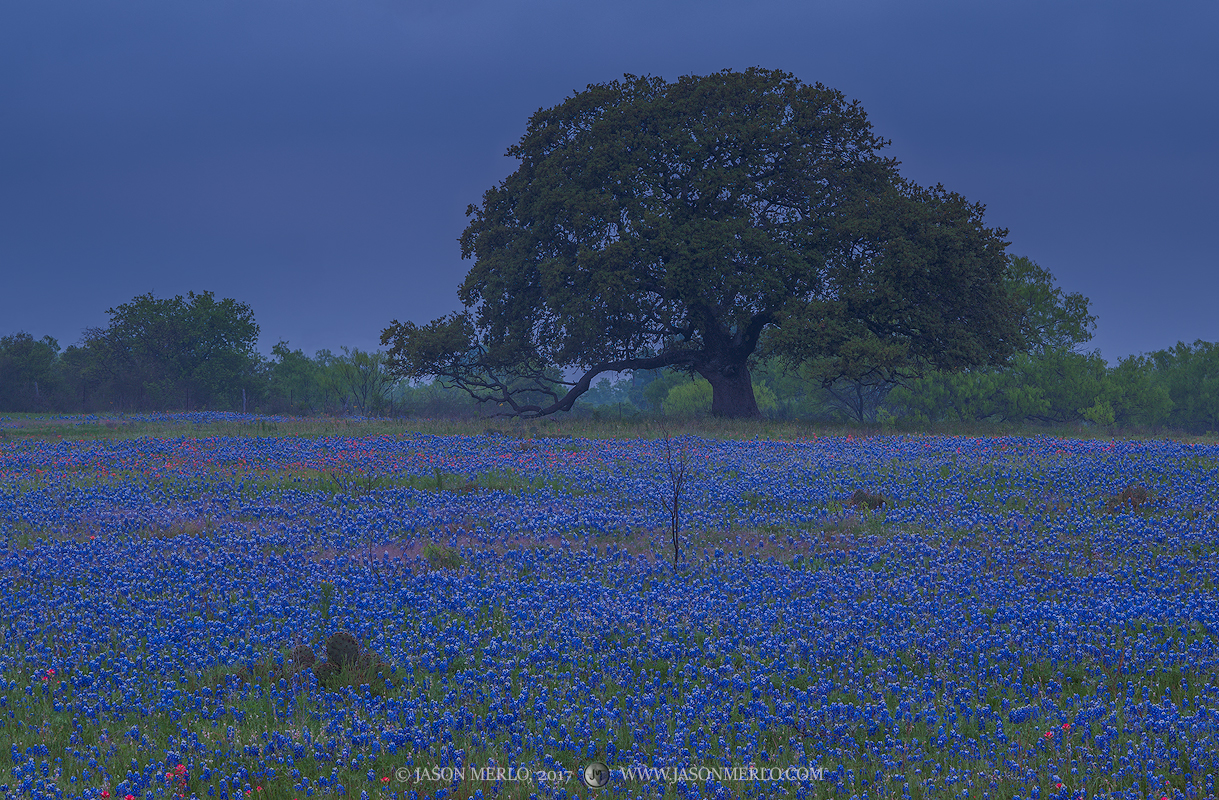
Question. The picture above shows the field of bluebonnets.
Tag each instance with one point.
(1021, 617)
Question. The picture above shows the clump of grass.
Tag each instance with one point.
(868, 500)
(326, 597)
(440, 481)
(264, 671)
(441, 557)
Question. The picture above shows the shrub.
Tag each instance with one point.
(866, 499)
(688, 399)
(693, 399)
(441, 557)
(1100, 414)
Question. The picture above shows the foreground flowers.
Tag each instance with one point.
(1003, 613)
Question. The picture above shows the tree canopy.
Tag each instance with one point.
(1048, 319)
(653, 224)
(1052, 327)
(185, 352)
(27, 369)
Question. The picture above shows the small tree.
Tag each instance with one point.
(1135, 395)
(1191, 375)
(677, 461)
(356, 380)
(293, 379)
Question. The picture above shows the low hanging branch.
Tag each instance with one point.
(527, 386)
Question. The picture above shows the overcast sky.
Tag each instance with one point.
(315, 159)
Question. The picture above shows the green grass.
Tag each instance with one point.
(582, 426)
(441, 557)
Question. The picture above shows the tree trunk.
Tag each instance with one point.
(731, 391)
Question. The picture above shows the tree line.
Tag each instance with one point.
(1176, 388)
(197, 352)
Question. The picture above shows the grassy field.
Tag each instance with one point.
(289, 608)
(14, 426)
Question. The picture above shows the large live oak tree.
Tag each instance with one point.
(696, 225)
